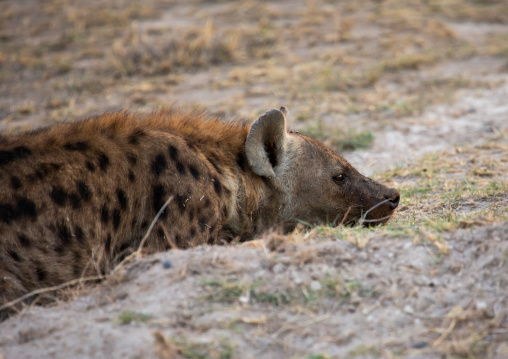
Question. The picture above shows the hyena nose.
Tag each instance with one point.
(393, 197)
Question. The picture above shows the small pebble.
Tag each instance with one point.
(315, 286)
(481, 305)
(420, 345)
(408, 309)
(166, 264)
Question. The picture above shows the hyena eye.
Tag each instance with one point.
(339, 178)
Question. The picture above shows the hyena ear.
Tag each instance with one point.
(266, 142)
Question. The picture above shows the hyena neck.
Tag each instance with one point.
(253, 209)
(253, 202)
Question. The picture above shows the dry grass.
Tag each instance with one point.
(316, 56)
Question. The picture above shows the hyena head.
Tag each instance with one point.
(315, 185)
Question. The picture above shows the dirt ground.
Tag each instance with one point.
(413, 93)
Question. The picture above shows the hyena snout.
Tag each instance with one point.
(393, 197)
(382, 206)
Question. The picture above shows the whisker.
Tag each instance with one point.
(362, 219)
(376, 220)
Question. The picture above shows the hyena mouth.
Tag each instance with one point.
(367, 221)
(365, 218)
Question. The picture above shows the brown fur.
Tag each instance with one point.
(75, 198)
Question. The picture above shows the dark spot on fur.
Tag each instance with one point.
(24, 241)
(194, 171)
(103, 161)
(116, 218)
(80, 236)
(22, 152)
(159, 164)
(207, 203)
(158, 199)
(202, 224)
(180, 168)
(55, 166)
(58, 195)
(132, 158)
(84, 191)
(64, 237)
(7, 213)
(77, 146)
(16, 153)
(173, 152)
(14, 255)
(40, 272)
(136, 136)
(26, 208)
(107, 245)
(75, 200)
(40, 174)
(90, 166)
(217, 186)
(122, 199)
(63, 232)
(15, 182)
(132, 178)
(44, 170)
(192, 232)
(242, 162)
(104, 214)
(160, 233)
(34, 176)
(191, 215)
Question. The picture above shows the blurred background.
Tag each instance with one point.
(357, 75)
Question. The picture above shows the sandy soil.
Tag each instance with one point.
(422, 78)
(393, 296)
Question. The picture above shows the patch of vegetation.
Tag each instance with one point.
(308, 294)
(191, 48)
(233, 291)
(317, 356)
(364, 351)
(221, 349)
(128, 316)
(407, 62)
(337, 138)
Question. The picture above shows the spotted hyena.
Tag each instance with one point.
(77, 197)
